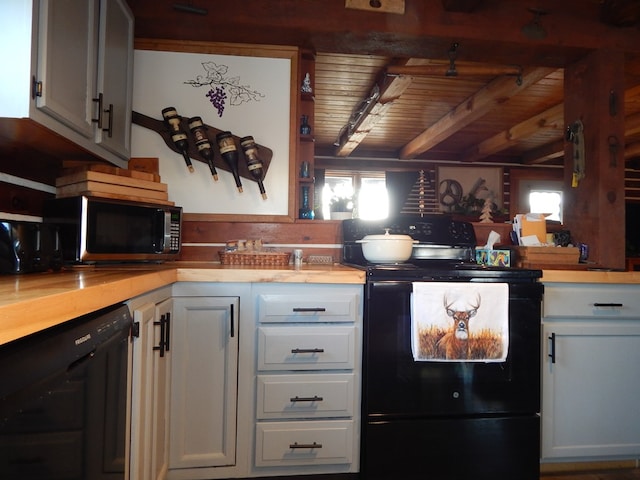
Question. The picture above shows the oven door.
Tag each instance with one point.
(396, 386)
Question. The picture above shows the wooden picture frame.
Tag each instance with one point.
(217, 201)
(454, 184)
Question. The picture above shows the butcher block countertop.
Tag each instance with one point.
(36, 301)
(589, 276)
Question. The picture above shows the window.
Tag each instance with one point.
(548, 202)
(366, 193)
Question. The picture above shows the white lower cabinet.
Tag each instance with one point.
(204, 382)
(304, 443)
(211, 364)
(308, 379)
(263, 380)
(152, 315)
(591, 383)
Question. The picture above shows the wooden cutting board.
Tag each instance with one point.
(82, 188)
(71, 167)
(116, 196)
(107, 178)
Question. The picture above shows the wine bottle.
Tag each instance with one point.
(254, 164)
(199, 132)
(178, 135)
(229, 153)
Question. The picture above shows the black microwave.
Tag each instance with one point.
(104, 230)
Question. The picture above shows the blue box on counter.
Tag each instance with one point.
(493, 258)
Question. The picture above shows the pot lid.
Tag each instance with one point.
(387, 237)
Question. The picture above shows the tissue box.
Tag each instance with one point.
(493, 258)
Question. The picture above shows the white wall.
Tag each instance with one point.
(159, 82)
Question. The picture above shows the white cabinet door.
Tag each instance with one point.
(590, 389)
(204, 374)
(65, 56)
(162, 370)
(66, 62)
(115, 77)
(149, 444)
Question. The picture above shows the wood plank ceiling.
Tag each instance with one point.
(372, 104)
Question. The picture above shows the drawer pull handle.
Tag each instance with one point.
(613, 305)
(315, 398)
(305, 445)
(310, 309)
(307, 350)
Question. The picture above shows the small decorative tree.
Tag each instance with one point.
(485, 215)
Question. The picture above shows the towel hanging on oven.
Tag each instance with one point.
(460, 321)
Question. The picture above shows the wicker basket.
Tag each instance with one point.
(255, 259)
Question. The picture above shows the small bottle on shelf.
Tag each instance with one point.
(254, 164)
(305, 211)
(305, 128)
(178, 135)
(229, 153)
(199, 132)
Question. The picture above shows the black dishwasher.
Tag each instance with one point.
(63, 394)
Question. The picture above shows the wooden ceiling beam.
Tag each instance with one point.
(477, 105)
(544, 154)
(632, 125)
(632, 150)
(552, 118)
(390, 88)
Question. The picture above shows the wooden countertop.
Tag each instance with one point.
(33, 302)
(589, 276)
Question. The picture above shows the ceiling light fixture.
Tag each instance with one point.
(534, 30)
(189, 8)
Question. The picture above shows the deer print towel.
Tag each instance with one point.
(460, 321)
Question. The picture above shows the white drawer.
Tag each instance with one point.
(588, 300)
(308, 307)
(306, 348)
(305, 395)
(304, 443)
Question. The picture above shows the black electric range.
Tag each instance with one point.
(454, 419)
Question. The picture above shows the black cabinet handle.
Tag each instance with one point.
(309, 309)
(552, 353)
(307, 350)
(315, 398)
(109, 128)
(305, 445)
(232, 324)
(99, 101)
(613, 305)
(167, 331)
(161, 344)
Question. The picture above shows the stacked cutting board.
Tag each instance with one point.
(104, 181)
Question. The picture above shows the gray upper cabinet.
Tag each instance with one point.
(71, 71)
(115, 77)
